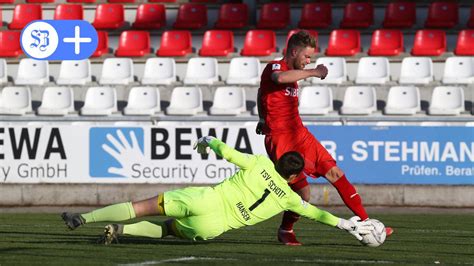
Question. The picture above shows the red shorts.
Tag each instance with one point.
(318, 161)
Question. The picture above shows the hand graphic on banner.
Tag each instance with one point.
(127, 154)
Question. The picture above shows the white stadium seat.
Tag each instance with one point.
(117, 71)
(403, 100)
(228, 101)
(416, 70)
(143, 101)
(32, 72)
(3, 71)
(315, 100)
(458, 70)
(74, 72)
(15, 101)
(185, 101)
(337, 70)
(100, 101)
(244, 71)
(255, 110)
(359, 100)
(201, 71)
(57, 101)
(446, 101)
(159, 71)
(373, 70)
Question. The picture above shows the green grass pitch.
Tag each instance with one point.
(42, 239)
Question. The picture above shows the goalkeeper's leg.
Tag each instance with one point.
(145, 229)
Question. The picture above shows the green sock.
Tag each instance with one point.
(113, 213)
(145, 229)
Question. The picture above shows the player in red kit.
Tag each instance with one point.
(284, 131)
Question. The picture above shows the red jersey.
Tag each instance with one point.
(278, 102)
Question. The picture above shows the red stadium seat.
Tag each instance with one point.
(343, 43)
(81, 1)
(465, 44)
(40, 1)
(64, 11)
(121, 1)
(358, 15)
(386, 43)
(203, 1)
(429, 42)
(274, 16)
(442, 15)
(133, 43)
(150, 16)
(259, 43)
(311, 32)
(102, 44)
(217, 43)
(470, 23)
(191, 16)
(232, 16)
(109, 17)
(24, 14)
(10, 44)
(7, 1)
(162, 1)
(400, 15)
(316, 15)
(175, 43)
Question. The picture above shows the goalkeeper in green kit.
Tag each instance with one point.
(257, 192)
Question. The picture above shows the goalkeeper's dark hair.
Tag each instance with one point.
(290, 163)
(301, 39)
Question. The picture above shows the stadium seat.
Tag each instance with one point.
(400, 15)
(259, 43)
(10, 44)
(315, 100)
(32, 72)
(446, 101)
(337, 70)
(465, 43)
(442, 15)
(82, 1)
(185, 101)
(121, 1)
(24, 14)
(150, 17)
(64, 11)
(74, 72)
(117, 71)
(102, 44)
(458, 70)
(291, 32)
(403, 100)
(109, 17)
(143, 101)
(470, 22)
(15, 101)
(191, 16)
(162, 1)
(3, 71)
(429, 43)
(358, 15)
(57, 101)
(315, 15)
(133, 43)
(201, 71)
(373, 70)
(416, 70)
(7, 1)
(159, 71)
(344, 43)
(359, 100)
(232, 16)
(100, 101)
(274, 16)
(228, 101)
(217, 43)
(386, 43)
(244, 71)
(175, 43)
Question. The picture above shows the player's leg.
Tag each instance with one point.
(144, 229)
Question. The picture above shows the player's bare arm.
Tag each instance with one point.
(290, 76)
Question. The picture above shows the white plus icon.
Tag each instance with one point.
(77, 40)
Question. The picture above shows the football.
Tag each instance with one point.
(377, 236)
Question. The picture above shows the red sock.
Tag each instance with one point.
(350, 197)
(289, 219)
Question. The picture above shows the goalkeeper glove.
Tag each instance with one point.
(202, 144)
(355, 227)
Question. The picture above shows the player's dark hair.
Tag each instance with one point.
(301, 39)
(290, 163)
